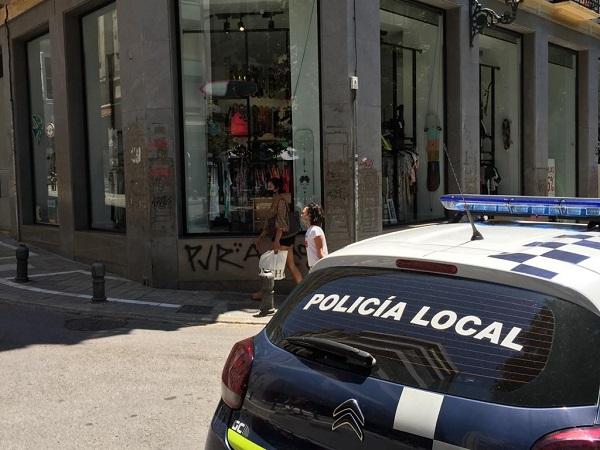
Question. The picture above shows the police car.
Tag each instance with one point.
(431, 338)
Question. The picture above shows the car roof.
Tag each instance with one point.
(559, 259)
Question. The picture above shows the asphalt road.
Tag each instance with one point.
(75, 381)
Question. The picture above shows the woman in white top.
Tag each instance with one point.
(314, 240)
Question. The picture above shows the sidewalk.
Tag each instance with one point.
(57, 282)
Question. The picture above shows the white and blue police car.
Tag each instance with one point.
(430, 338)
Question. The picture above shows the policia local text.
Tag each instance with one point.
(443, 320)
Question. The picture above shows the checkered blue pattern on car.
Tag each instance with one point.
(566, 248)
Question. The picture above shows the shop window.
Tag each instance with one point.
(250, 85)
(412, 112)
(500, 112)
(104, 126)
(598, 142)
(562, 126)
(41, 106)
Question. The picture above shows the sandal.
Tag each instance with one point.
(265, 312)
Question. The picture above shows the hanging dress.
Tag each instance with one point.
(213, 194)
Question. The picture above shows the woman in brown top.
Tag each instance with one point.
(277, 225)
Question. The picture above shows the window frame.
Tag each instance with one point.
(180, 127)
(575, 53)
(86, 133)
(521, 38)
(444, 112)
(31, 169)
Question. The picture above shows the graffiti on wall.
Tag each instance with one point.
(369, 198)
(237, 256)
(337, 161)
(161, 174)
(339, 206)
(135, 143)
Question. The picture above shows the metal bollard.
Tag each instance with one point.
(98, 273)
(22, 254)
(268, 290)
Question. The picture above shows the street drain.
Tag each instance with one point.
(195, 309)
(94, 324)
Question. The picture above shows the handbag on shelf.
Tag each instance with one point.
(238, 125)
(274, 263)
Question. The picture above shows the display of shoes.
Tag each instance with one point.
(288, 154)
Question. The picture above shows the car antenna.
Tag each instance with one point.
(476, 236)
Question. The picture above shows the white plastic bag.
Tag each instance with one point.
(274, 263)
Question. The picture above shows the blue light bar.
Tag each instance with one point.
(563, 207)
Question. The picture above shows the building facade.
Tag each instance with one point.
(142, 133)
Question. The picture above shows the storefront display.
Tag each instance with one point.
(41, 105)
(500, 112)
(104, 125)
(562, 127)
(250, 109)
(412, 110)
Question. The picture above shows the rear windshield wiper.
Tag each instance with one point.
(325, 349)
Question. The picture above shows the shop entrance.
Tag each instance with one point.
(412, 111)
(490, 177)
(500, 112)
(399, 131)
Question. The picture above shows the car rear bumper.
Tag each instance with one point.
(217, 433)
(215, 442)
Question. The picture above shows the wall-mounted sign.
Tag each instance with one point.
(50, 130)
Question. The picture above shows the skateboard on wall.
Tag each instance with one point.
(433, 140)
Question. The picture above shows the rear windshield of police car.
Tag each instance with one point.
(450, 335)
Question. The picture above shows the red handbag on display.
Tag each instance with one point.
(238, 126)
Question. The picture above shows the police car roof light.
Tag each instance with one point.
(560, 207)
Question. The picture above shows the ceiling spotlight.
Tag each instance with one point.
(226, 25)
(241, 25)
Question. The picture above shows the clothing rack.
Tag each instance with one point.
(489, 177)
(487, 132)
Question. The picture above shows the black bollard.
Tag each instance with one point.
(98, 273)
(22, 254)
(268, 290)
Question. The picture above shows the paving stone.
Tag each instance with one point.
(195, 309)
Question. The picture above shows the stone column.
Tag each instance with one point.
(368, 119)
(462, 101)
(63, 138)
(351, 120)
(149, 84)
(7, 179)
(587, 131)
(535, 113)
(337, 56)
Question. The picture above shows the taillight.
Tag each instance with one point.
(234, 380)
(570, 439)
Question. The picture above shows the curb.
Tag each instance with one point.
(187, 320)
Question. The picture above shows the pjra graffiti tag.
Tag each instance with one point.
(196, 257)
(219, 256)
